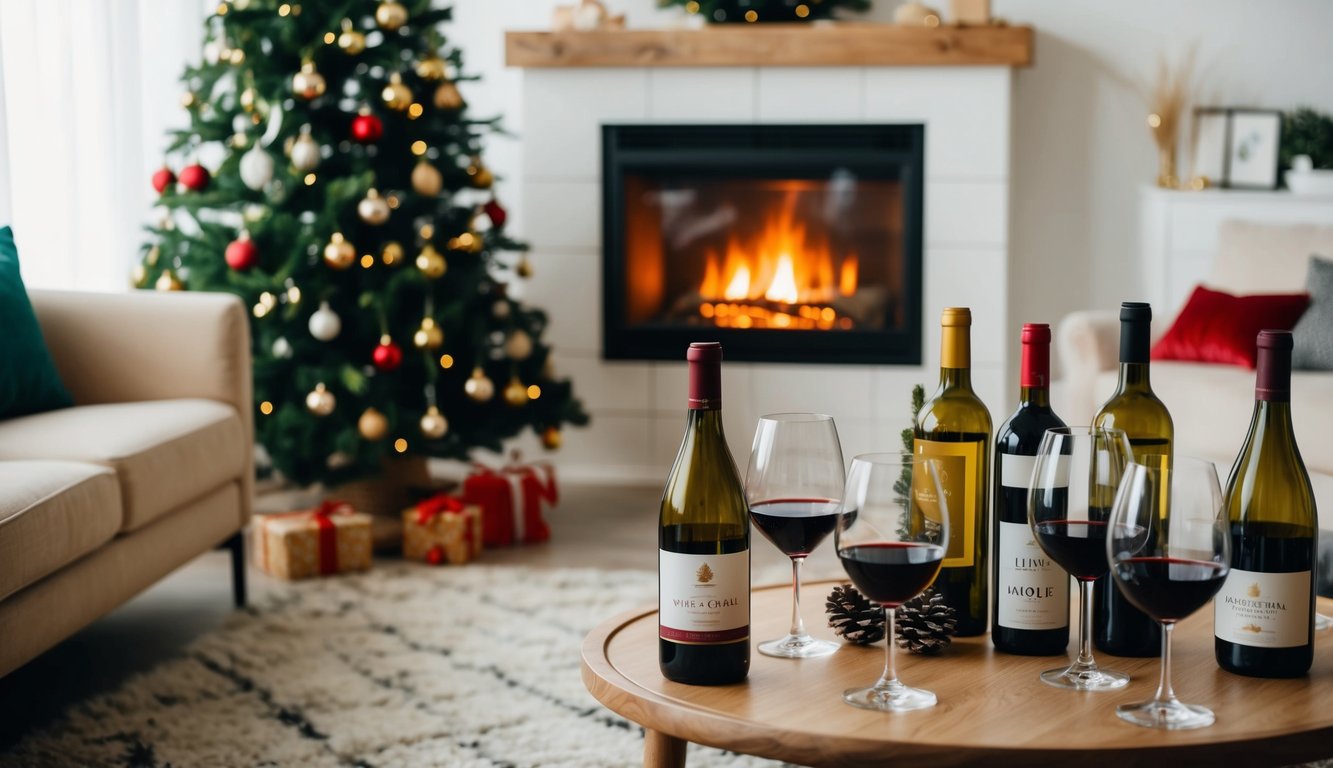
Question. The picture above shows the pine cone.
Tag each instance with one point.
(925, 624)
(853, 617)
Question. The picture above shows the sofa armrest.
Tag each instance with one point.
(1088, 343)
(143, 345)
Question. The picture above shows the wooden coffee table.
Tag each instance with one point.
(992, 709)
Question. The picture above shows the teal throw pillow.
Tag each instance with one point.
(1313, 335)
(28, 379)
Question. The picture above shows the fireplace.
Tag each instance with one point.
(787, 243)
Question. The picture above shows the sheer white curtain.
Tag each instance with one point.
(87, 90)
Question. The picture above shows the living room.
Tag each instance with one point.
(346, 353)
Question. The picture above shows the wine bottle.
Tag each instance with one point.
(703, 574)
(1031, 606)
(1263, 619)
(1118, 627)
(955, 427)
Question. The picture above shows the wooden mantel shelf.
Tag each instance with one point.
(775, 45)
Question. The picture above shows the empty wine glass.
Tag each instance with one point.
(891, 537)
(1074, 481)
(1170, 552)
(793, 486)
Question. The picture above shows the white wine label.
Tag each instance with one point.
(703, 598)
(1032, 591)
(1263, 610)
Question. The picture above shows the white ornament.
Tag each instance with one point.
(257, 168)
(373, 209)
(305, 152)
(282, 349)
(325, 324)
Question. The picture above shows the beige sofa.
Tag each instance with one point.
(1211, 404)
(150, 468)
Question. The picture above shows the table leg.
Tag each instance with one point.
(662, 751)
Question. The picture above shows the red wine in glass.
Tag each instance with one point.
(795, 526)
(1079, 546)
(1169, 588)
(891, 573)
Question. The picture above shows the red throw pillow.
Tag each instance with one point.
(1216, 327)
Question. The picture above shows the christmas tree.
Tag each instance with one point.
(740, 11)
(332, 177)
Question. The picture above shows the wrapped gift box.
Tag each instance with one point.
(332, 538)
(511, 500)
(442, 529)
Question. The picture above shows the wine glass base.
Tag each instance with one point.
(797, 647)
(894, 697)
(1089, 678)
(1171, 715)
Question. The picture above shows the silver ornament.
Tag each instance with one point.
(325, 325)
(257, 168)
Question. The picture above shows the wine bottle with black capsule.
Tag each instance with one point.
(703, 576)
(1263, 618)
(955, 427)
(1118, 627)
(1031, 605)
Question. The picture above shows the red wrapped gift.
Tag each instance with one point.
(442, 529)
(511, 500)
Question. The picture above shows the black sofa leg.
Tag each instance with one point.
(237, 546)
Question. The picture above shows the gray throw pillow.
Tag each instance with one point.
(1313, 335)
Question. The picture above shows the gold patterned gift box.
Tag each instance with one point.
(442, 529)
(332, 538)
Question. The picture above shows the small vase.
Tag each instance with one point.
(1166, 168)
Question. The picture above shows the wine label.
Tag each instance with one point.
(1263, 610)
(703, 598)
(958, 480)
(1032, 592)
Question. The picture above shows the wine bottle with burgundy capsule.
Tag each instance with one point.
(703, 576)
(955, 427)
(1118, 627)
(1031, 606)
(1263, 619)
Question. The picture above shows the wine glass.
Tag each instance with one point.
(1170, 552)
(793, 486)
(1074, 481)
(891, 538)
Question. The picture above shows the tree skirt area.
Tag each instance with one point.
(473, 667)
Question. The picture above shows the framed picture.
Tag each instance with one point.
(1210, 145)
(1252, 148)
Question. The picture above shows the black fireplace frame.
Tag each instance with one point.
(874, 151)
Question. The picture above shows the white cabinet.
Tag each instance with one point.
(1179, 233)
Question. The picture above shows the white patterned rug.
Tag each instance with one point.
(473, 667)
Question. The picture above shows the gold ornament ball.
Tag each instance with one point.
(351, 42)
(392, 254)
(515, 393)
(433, 424)
(308, 84)
(447, 96)
(551, 438)
(168, 281)
(427, 180)
(396, 96)
(429, 335)
(372, 425)
(188, 100)
(480, 176)
(339, 254)
(524, 268)
(478, 387)
(139, 276)
(431, 262)
(320, 401)
(390, 15)
(431, 68)
(519, 345)
(373, 209)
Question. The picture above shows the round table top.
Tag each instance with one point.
(992, 706)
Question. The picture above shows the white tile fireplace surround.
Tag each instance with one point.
(637, 407)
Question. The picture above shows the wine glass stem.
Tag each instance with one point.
(1164, 692)
(1084, 624)
(890, 671)
(797, 626)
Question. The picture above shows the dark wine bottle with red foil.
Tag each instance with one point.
(1263, 618)
(1118, 627)
(703, 574)
(1030, 612)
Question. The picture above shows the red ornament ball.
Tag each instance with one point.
(435, 555)
(163, 179)
(242, 253)
(495, 212)
(387, 355)
(367, 129)
(195, 177)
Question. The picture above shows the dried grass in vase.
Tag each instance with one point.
(1167, 102)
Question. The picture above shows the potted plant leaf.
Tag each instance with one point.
(1306, 151)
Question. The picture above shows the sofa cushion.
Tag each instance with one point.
(165, 452)
(1217, 327)
(51, 514)
(1313, 335)
(28, 379)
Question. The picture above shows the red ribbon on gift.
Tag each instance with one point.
(328, 532)
(442, 504)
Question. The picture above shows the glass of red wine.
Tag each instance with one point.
(1170, 550)
(1074, 481)
(891, 537)
(794, 486)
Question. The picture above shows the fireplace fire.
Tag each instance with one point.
(782, 242)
